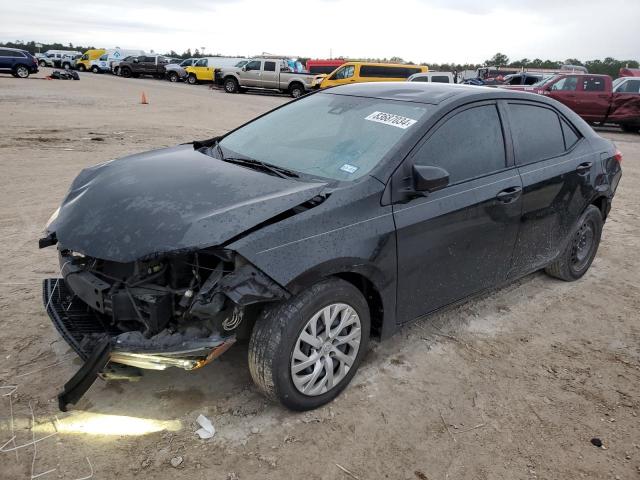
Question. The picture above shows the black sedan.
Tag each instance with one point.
(337, 217)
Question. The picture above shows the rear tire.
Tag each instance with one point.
(231, 85)
(293, 333)
(20, 71)
(579, 253)
(296, 90)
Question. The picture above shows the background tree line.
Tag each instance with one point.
(608, 66)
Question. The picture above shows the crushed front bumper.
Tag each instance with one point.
(95, 341)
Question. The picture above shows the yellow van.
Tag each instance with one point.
(84, 63)
(355, 72)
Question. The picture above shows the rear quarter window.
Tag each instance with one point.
(569, 133)
(537, 133)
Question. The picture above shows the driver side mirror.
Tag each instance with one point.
(244, 68)
(428, 178)
(135, 60)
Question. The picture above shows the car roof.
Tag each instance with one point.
(431, 93)
(15, 50)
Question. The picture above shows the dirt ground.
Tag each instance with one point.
(513, 385)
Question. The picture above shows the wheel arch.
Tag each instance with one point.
(603, 204)
(378, 292)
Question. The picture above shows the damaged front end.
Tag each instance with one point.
(177, 310)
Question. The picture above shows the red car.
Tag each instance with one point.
(592, 97)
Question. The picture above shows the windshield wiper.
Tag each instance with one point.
(250, 162)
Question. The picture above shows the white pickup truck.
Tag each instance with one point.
(265, 74)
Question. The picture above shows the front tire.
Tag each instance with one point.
(126, 72)
(42, 63)
(231, 85)
(172, 77)
(95, 69)
(304, 351)
(192, 79)
(579, 253)
(82, 68)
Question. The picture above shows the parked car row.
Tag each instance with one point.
(596, 98)
(18, 63)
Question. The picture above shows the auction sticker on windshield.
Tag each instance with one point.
(391, 119)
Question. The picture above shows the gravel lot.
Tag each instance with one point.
(512, 385)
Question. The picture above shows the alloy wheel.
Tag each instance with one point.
(22, 72)
(325, 349)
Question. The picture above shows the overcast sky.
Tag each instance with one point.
(419, 30)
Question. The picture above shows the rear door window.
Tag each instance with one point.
(269, 66)
(593, 84)
(440, 79)
(536, 131)
(468, 145)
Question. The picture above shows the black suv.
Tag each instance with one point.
(19, 63)
(339, 216)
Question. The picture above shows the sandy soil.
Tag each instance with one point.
(513, 385)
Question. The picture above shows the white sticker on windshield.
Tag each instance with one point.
(391, 119)
(348, 168)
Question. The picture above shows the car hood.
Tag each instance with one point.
(173, 199)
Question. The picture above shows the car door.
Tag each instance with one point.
(149, 65)
(556, 165)
(270, 75)
(199, 68)
(458, 240)
(5, 59)
(251, 73)
(594, 98)
(565, 90)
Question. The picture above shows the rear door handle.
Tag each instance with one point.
(584, 167)
(510, 194)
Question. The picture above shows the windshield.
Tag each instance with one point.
(332, 136)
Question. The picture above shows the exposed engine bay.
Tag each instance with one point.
(176, 310)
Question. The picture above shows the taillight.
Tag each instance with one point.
(618, 156)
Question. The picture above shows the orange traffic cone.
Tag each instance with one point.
(144, 101)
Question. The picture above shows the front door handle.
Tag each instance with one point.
(509, 195)
(584, 167)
